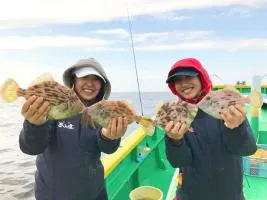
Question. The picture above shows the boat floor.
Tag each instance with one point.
(255, 188)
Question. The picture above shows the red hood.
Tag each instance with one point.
(204, 77)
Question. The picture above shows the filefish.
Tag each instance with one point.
(64, 102)
(181, 112)
(215, 101)
(103, 111)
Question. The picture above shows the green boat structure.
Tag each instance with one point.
(141, 160)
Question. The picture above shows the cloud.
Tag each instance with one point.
(156, 82)
(15, 69)
(14, 24)
(144, 76)
(99, 42)
(239, 11)
(150, 41)
(119, 32)
(148, 82)
(17, 13)
(180, 18)
(225, 45)
(33, 42)
(171, 36)
(171, 16)
(108, 49)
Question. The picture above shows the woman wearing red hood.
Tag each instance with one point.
(210, 157)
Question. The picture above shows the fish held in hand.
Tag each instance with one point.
(64, 102)
(181, 112)
(103, 111)
(214, 102)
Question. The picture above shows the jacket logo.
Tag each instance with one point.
(67, 125)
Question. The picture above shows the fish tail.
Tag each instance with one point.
(21, 92)
(86, 119)
(255, 99)
(10, 91)
(147, 124)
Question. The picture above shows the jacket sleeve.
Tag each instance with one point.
(33, 139)
(178, 154)
(239, 141)
(107, 146)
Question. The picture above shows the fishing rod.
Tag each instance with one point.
(136, 72)
(137, 78)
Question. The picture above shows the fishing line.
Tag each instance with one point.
(136, 73)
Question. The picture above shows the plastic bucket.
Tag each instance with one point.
(146, 193)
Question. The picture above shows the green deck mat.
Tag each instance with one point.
(255, 188)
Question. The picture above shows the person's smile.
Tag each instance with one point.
(187, 90)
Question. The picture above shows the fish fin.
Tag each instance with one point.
(86, 119)
(158, 106)
(255, 99)
(146, 121)
(128, 104)
(9, 90)
(43, 78)
(232, 88)
(93, 124)
(147, 124)
(149, 130)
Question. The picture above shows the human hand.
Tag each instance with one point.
(35, 110)
(116, 128)
(175, 131)
(233, 116)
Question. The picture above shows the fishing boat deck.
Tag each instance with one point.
(255, 188)
(263, 119)
(124, 172)
(259, 124)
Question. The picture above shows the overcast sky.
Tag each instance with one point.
(229, 37)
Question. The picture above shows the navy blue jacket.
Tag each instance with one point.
(211, 159)
(68, 161)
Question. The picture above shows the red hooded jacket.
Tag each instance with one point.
(210, 157)
(204, 77)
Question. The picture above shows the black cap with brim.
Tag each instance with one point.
(182, 72)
